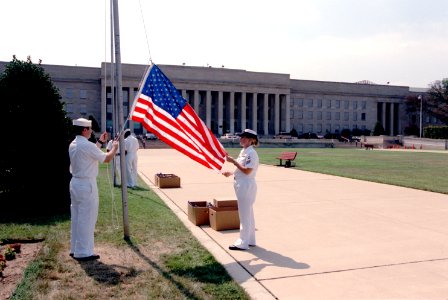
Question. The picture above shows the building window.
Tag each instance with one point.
(346, 116)
(346, 104)
(70, 108)
(69, 93)
(337, 116)
(319, 115)
(319, 103)
(363, 104)
(125, 99)
(337, 103)
(319, 128)
(309, 115)
(328, 128)
(355, 104)
(300, 102)
(83, 109)
(309, 128)
(83, 94)
(309, 103)
(300, 114)
(328, 103)
(363, 116)
(355, 116)
(328, 117)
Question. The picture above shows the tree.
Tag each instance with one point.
(436, 100)
(378, 129)
(346, 133)
(294, 133)
(412, 104)
(34, 162)
(412, 130)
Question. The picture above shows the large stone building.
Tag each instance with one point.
(230, 100)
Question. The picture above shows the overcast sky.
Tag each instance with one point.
(403, 42)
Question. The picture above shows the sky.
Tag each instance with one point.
(400, 42)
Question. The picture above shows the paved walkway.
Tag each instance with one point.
(319, 236)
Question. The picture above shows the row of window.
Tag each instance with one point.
(336, 104)
(70, 108)
(70, 93)
(329, 128)
(328, 115)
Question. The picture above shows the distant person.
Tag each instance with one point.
(116, 167)
(84, 158)
(245, 188)
(132, 146)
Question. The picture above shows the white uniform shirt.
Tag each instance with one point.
(131, 144)
(247, 158)
(84, 158)
(109, 147)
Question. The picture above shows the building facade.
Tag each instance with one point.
(230, 100)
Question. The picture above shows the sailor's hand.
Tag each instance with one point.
(227, 173)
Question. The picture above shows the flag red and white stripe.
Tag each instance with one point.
(163, 111)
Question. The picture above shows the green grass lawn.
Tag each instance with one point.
(178, 267)
(420, 170)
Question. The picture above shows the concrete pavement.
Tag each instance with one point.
(319, 236)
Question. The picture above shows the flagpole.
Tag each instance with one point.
(112, 89)
(119, 86)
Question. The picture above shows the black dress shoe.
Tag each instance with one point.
(87, 258)
(233, 247)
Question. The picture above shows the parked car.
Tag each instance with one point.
(229, 136)
(308, 135)
(151, 136)
(283, 135)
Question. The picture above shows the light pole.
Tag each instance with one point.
(421, 110)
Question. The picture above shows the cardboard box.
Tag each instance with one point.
(224, 218)
(198, 212)
(225, 202)
(167, 180)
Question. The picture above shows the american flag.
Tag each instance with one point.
(163, 111)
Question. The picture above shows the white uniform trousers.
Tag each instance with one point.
(84, 214)
(131, 169)
(246, 191)
(116, 164)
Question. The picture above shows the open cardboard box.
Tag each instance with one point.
(167, 180)
(224, 218)
(198, 212)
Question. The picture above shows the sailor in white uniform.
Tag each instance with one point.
(132, 146)
(116, 167)
(245, 188)
(84, 158)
